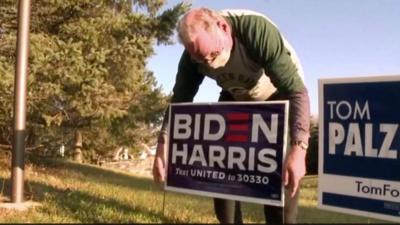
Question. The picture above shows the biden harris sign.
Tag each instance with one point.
(359, 146)
(228, 150)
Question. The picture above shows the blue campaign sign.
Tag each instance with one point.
(228, 150)
(359, 146)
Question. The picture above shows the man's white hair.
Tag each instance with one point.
(195, 20)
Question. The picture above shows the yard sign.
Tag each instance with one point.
(228, 150)
(359, 146)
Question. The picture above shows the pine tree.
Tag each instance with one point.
(87, 71)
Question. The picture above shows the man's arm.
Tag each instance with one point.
(187, 83)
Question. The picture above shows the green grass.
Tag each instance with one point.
(79, 193)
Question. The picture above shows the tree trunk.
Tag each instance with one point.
(78, 147)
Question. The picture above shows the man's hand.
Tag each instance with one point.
(294, 168)
(159, 161)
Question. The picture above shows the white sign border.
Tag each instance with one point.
(228, 196)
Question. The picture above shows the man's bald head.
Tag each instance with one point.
(195, 20)
(205, 34)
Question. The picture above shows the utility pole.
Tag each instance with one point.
(20, 90)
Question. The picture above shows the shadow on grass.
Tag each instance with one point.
(80, 204)
(67, 205)
(316, 215)
(308, 215)
(97, 174)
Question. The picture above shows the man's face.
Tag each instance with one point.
(210, 48)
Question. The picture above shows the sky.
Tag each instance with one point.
(333, 39)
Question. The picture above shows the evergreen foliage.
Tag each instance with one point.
(87, 72)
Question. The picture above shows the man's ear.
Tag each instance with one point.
(224, 26)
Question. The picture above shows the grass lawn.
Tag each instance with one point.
(81, 193)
